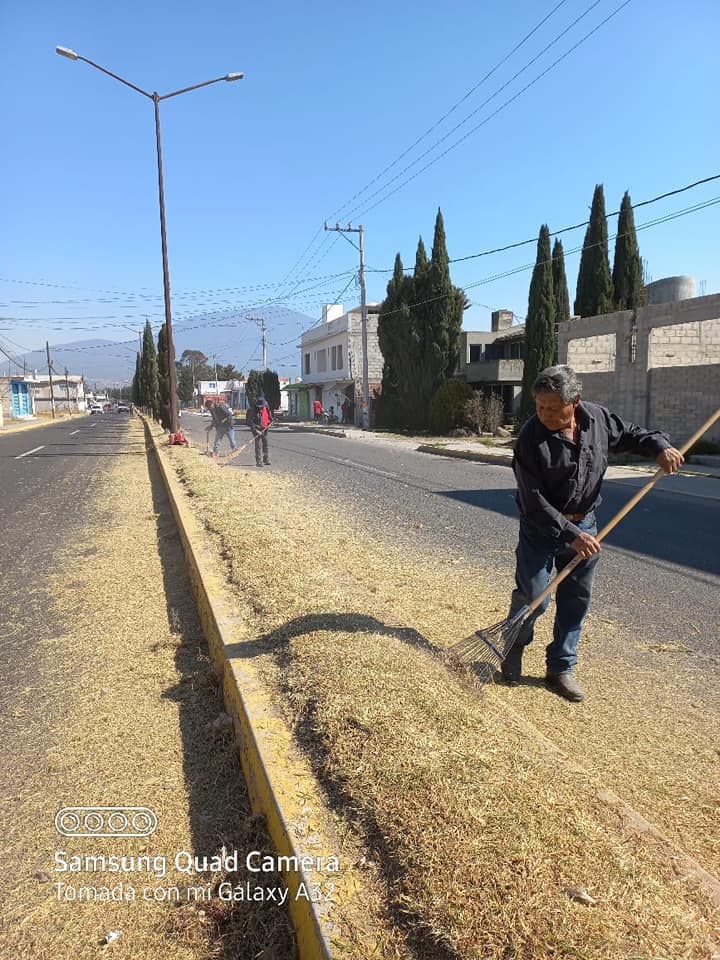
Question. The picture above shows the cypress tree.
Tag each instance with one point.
(388, 328)
(421, 260)
(163, 361)
(271, 388)
(627, 275)
(254, 387)
(594, 293)
(540, 323)
(149, 373)
(560, 289)
(437, 311)
(136, 398)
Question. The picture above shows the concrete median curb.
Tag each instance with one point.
(327, 431)
(281, 784)
(498, 459)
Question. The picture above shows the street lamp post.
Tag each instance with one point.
(156, 98)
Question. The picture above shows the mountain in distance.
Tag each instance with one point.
(226, 334)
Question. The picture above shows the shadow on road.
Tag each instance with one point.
(664, 526)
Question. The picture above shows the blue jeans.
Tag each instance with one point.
(221, 432)
(535, 557)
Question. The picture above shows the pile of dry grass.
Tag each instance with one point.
(477, 833)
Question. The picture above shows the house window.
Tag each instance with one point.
(475, 352)
(339, 358)
(333, 358)
(321, 356)
(307, 363)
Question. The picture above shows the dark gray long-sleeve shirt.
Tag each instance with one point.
(556, 476)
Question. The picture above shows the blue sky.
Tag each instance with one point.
(333, 94)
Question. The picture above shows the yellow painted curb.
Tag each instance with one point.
(281, 784)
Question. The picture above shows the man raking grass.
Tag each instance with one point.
(222, 422)
(561, 456)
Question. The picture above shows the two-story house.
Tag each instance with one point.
(332, 361)
(493, 360)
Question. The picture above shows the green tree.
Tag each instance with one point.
(393, 340)
(594, 293)
(185, 382)
(540, 323)
(271, 389)
(197, 363)
(419, 334)
(560, 289)
(421, 260)
(136, 396)
(254, 387)
(437, 315)
(627, 275)
(228, 371)
(149, 373)
(163, 362)
(447, 406)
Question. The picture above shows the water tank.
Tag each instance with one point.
(671, 289)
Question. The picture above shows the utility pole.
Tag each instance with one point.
(365, 423)
(67, 391)
(52, 395)
(260, 321)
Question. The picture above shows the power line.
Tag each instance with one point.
(358, 212)
(319, 231)
(576, 226)
(464, 98)
(529, 266)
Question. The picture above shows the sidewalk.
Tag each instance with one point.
(31, 423)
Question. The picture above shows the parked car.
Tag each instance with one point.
(94, 408)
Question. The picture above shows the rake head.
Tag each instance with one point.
(486, 649)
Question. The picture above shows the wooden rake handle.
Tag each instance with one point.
(611, 524)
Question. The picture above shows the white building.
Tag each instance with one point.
(332, 360)
(233, 393)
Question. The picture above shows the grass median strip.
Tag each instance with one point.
(478, 835)
(141, 723)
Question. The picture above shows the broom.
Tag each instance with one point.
(235, 453)
(488, 648)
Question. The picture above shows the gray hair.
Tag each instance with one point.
(560, 379)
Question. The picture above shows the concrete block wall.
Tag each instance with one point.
(375, 357)
(645, 385)
(686, 344)
(592, 354)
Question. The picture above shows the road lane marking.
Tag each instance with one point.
(28, 452)
(74, 432)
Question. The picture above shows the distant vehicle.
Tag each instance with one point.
(123, 408)
(95, 408)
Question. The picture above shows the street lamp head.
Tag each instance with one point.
(65, 52)
(234, 76)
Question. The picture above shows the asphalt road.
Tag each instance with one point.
(660, 572)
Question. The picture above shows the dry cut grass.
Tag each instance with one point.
(138, 721)
(477, 832)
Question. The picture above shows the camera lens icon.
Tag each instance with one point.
(106, 821)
